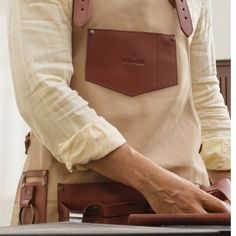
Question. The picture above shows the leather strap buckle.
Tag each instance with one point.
(36, 173)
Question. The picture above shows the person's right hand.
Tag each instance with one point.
(168, 193)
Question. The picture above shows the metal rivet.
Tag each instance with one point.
(172, 37)
(92, 32)
(60, 188)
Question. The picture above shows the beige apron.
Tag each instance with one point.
(162, 124)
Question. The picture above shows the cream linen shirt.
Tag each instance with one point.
(41, 59)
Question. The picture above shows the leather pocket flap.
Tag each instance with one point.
(131, 63)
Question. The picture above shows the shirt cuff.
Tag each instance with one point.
(94, 141)
(216, 153)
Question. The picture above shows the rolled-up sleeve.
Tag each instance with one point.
(208, 101)
(41, 61)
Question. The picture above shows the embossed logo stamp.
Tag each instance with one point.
(133, 59)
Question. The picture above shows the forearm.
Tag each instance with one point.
(127, 166)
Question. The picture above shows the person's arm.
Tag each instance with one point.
(208, 101)
(41, 60)
(165, 191)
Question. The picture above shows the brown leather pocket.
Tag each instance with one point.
(100, 202)
(33, 198)
(131, 62)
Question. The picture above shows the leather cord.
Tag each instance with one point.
(81, 14)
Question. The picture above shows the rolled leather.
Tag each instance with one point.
(179, 219)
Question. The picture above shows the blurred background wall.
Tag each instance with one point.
(221, 28)
(13, 128)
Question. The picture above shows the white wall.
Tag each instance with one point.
(221, 28)
(13, 129)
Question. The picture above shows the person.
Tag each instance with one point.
(95, 118)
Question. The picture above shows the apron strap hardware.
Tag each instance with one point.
(81, 14)
(27, 203)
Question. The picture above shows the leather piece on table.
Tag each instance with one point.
(220, 189)
(179, 219)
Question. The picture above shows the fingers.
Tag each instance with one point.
(202, 211)
(197, 208)
(213, 204)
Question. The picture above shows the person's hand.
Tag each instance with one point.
(176, 195)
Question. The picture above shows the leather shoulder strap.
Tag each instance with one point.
(81, 14)
(185, 20)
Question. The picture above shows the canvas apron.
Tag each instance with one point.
(161, 124)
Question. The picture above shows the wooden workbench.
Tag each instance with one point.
(101, 229)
